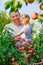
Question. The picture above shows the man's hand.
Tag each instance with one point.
(17, 39)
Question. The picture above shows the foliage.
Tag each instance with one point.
(37, 47)
(13, 5)
(4, 19)
(38, 42)
(7, 44)
(8, 49)
(40, 17)
(39, 1)
(34, 58)
(31, 54)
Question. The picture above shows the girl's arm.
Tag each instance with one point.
(19, 34)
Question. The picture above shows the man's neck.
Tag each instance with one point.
(16, 24)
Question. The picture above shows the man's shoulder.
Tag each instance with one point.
(8, 25)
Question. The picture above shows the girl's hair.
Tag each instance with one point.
(26, 15)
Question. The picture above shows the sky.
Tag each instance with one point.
(34, 7)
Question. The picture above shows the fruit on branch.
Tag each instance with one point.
(16, 46)
(26, 1)
(22, 48)
(34, 15)
(30, 47)
(15, 63)
(34, 53)
(39, 60)
(29, 1)
(41, 6)
(12, 59)
(26, 56)
(36, 61)
(31, 52)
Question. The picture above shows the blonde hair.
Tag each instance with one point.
(26, 15)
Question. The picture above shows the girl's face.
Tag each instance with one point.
(24, 20)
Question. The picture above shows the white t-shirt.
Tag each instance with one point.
(16, 29)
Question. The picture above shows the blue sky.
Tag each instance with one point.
(25, 9)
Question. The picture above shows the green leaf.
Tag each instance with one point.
(7, 5)
(19, 5)
(38, 56)
(13, 1)
(38, 1)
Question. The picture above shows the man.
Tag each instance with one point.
(15, 25)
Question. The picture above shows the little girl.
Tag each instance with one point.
(27, 29)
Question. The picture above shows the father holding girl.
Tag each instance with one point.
(21, 26)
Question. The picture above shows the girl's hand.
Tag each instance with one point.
(17, 38)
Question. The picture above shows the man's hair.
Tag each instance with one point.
(14, 11)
